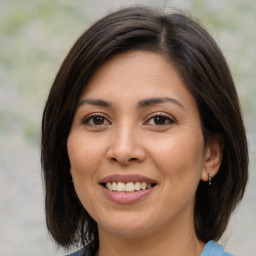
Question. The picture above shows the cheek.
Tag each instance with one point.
(180, 159)
(82, 170)
(83, 155)
(85, 159)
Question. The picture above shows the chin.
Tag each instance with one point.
(129, 233)
(127, 228)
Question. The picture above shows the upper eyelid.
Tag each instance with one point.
(170, 120)
(87, 117)
(160, 114)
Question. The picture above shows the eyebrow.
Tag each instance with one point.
(141, 104)
(95, 102)
(154, 101)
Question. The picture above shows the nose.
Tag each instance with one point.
(126, 146)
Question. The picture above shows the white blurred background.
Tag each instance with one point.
(35, 36)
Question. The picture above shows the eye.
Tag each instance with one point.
(160, 120)
(95, 120)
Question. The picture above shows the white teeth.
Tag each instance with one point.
(137, 186)
(121, 187)
(127, 187)
(143, 185)
(114, 186)
(109, 185)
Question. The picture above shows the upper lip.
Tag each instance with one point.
(127, 178)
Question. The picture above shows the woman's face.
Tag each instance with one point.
(136, 147)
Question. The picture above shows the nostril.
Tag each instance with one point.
(125, 162)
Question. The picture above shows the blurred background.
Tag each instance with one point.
(35, 36)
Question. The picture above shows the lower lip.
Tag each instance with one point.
(127, 197)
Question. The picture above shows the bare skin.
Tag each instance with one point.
(136, 119)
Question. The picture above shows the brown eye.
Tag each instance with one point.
(160, 120)
(95, 120)
(98, 120)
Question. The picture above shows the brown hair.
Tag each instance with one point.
(205, 72)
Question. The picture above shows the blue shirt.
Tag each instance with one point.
(210, 249)
(214, 249)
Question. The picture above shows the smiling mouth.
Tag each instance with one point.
(128, 187)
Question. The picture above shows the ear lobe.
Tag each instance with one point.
(213, 157)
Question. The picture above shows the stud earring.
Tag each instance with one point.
(210, 179)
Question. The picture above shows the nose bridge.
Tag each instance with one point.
(125, 143)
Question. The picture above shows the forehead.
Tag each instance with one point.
(137, 74)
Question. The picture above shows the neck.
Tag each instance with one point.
(170, 241)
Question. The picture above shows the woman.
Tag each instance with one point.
(144, 149)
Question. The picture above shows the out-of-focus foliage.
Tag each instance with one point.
(233, 23)
(34, 37)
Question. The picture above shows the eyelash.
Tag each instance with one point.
(86, 120)
(166, 117)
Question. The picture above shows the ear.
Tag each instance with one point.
(213, 157)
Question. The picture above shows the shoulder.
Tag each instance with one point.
(214, 249)
(82, 252)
